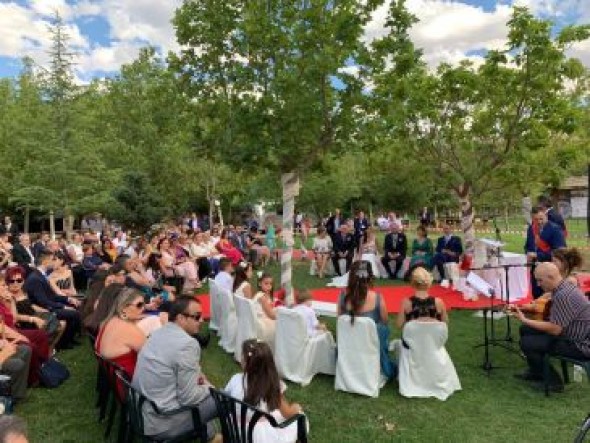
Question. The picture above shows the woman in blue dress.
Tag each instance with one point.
(359, 300)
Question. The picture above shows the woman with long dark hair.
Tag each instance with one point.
(359, 300)
(259, 385)
(242, 285)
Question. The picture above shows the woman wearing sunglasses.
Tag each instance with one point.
(119, 338)
(28, 315)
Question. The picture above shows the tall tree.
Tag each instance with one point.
(475, 125)
(273, 73)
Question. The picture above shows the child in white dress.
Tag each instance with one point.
(259, 385)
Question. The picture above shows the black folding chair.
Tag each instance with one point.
(238, 419)
(134, 406)
(110, 392)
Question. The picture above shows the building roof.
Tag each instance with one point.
(577, 182)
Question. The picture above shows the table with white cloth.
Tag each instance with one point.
(518, 276)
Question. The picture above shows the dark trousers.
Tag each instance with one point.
(72, 319)
(204, 267)
(439, 261)
(335, 261)
(536, 344)
(80, 279)
(535, 288)
(398, 264)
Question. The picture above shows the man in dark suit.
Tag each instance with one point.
(395, 248)
(361, 224)
(543, 237)
(40, 293)
(425, 217)
(22, 252)
(343, 248)
(40, 244)
(333, 224)
(553, 214)
(448, 249)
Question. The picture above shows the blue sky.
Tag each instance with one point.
(108, 33)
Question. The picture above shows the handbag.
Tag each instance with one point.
(51, 322)
(53, 373)
(6, 402)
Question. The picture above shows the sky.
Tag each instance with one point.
(108, 33)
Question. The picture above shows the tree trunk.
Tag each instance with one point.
(527, 207)
(27, 219)
(290, 183)
(220, 215)
(70, 227)
(467, 215)
(52, 225)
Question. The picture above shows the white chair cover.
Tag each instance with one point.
(298, 356)
(247, 324)
(426, 369)
(214, 306)
(358, 367)
(228, 325)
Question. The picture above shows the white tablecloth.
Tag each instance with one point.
(518, 276)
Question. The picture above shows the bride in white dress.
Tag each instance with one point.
(368, 251)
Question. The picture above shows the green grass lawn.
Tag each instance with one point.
(495, 408)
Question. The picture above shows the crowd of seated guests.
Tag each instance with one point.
(130, 298)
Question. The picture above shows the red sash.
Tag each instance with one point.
(541, 244)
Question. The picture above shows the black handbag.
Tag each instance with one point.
(51, 322)
(53, 373)
(6, 402)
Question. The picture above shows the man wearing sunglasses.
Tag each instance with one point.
(168, 372)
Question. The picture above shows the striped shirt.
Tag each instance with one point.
(570, 309)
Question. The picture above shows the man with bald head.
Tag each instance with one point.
(566, 333)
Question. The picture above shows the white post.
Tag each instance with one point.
(52, 225)
(290, 183)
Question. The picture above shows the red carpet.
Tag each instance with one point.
(393, 298)
(394, 295)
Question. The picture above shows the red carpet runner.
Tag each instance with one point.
(393, 296)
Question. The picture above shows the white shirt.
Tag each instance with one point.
(76, 252)
(224, 280)
(235, 388)
(311, 321)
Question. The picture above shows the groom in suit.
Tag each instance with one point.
(395, 247)
(448, 249)
(543, 237)
(343, 248)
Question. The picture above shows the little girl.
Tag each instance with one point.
(259, 385)
(265, 311)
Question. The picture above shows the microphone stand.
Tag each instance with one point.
(506, 267)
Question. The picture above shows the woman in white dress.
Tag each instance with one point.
(259, 385)
(322, 247)
(265, 311)
(370, 252)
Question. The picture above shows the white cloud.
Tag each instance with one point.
(145, 20)
(582, 51)
(108, 58)
(449, 30)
